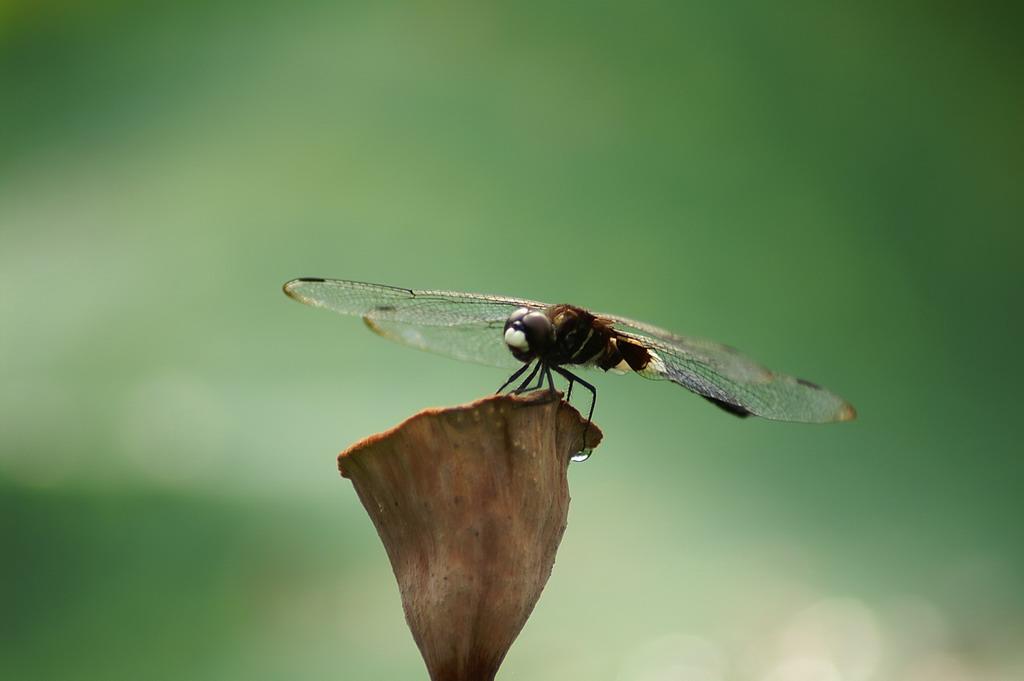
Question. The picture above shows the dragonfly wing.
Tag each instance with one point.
(466, 326)
(437, 308)
(725, 374)
(482, 343)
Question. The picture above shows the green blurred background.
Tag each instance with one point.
(835, 189)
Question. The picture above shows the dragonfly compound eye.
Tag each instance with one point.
(515, 335)
(527, 330)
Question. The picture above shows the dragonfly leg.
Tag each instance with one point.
(551, 382)
(522, 386)
(539, 373)
(573, 378)
(517, 374)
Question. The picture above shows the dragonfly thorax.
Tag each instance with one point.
(561, 334)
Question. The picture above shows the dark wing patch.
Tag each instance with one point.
(733, 409)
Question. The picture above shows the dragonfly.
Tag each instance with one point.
(538, 339)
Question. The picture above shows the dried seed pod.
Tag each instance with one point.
(470, 503)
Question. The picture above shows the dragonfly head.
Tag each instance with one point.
(528, 334)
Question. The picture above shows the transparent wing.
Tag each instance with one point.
(467, 326)
(482, 343)
(724, 373)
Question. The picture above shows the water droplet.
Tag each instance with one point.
(581, 455)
